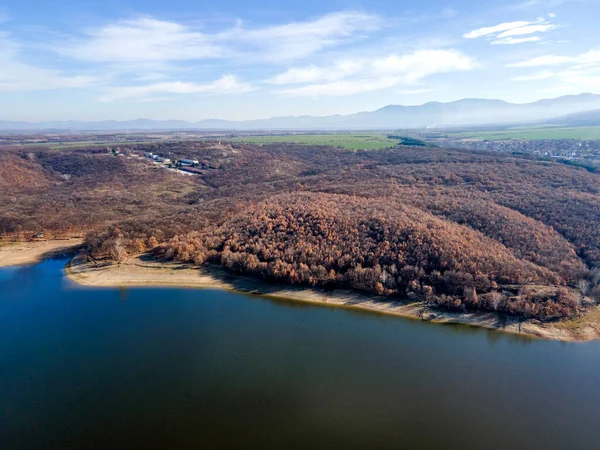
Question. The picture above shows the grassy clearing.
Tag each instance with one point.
(589, 321)
(352, 141)
(583, 133)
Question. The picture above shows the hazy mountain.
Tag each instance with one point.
(583, 119)
(105, 125)
(434, 114)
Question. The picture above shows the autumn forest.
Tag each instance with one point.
(455, 229)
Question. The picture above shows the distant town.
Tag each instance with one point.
(552, 148)
(585, 152)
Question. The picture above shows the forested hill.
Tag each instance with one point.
(458, 229)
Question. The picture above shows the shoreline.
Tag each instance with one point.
(23, 253)
(144, 271)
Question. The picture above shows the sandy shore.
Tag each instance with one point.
(143, 271)
(14, 254)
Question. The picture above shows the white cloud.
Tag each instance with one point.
(537, 4)
(480, 32)
(366, 75)
(312, 73)
(412, 67)
(141, 40)
(298, 40)
(423, 63)
(581, 74)
(228, 84)
(157, 49)
(529, 29)
(534, 77)
(341, 88)
(17, 76)
(546, 60)
(149, 54)
(513, 41)
(589, 58)
(582, 80)
(148, 40)
(504, 33)
(575, 82)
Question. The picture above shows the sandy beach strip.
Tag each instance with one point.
(144, 271)
(19, 253)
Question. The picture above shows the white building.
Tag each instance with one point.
(189, 162)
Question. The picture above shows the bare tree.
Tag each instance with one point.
(584, 287)
(118, 252)
(596, 276)
(595, 295)
(495, 300)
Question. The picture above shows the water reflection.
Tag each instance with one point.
(123, 293)
(470, 330)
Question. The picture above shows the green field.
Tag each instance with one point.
(583, 133)
(353, 141)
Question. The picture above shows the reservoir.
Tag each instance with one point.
(166, 368)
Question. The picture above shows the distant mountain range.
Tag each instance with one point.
(582, 119)
(434, 114)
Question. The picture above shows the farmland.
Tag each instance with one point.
(521, 133)
(352, 141)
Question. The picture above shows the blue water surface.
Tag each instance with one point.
(169, 368)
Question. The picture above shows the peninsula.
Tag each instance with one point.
(500, 240)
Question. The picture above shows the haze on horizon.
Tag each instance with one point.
(252, 60)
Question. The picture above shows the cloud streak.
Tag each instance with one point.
(297, 40)
(487, 31)
(533, 77)
(513, 41)
(166, 54)
(149, 40)
(228, 84)
(572, 73)
(348, 77)
(589, 58)
(17, 76)
(511, 33)
(140, 40)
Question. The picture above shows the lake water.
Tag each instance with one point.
(150, 368)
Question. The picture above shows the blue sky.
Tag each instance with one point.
(240, 59)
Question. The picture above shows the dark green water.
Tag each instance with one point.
(190, 369)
